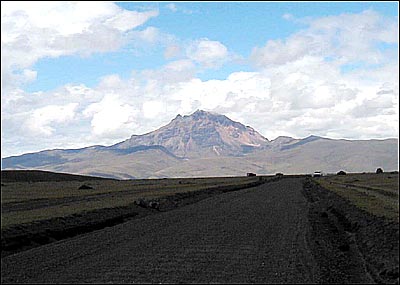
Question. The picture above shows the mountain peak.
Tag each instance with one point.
(199, 114)
(203, 114)
(312, 138)
(178, 117)
(198, 111)
(199, 133)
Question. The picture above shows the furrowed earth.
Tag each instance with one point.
(270, 229)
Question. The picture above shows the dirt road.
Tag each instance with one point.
(256, 235)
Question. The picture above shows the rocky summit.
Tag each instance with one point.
(201, 134)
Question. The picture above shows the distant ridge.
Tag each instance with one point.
(206, 144)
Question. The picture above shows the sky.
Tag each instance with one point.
(75, 74)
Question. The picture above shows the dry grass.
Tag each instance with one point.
(105, 194)
(377, 194)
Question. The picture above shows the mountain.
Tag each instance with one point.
(201, 134)
(210, 144)
(135, 162)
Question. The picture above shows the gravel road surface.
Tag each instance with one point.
(255, 235)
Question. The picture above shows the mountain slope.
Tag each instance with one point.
(134, 162)
(209, 144)
(326, 155)
(201, 134)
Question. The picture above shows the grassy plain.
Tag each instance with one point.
(377, 194)
(24, 202)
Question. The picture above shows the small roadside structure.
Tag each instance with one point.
(341, 172)
(251, 174)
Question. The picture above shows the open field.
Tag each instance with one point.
(335, 229)
(37, 213)
(284, 230)
(377, 194)
(24, 202)
(41, 175)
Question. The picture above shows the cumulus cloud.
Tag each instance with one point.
(383, 103)
(277, 52)
(335, 67)
(40, 120)
(203, 52)
(208, 53)
(31, 31)
(111, 117)
(308, 97)
(126, 20)
(344, 38)
(151, 109)
(172, 72)
(149, 35)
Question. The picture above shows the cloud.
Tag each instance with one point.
(333, 72)
(172, 7)
(207, 53)
(151, 109)
(172, 51)
(173, 72)
(277, 52)
(306, 97)
(31, 31)
(110, 117)
(149, 35)
(61, 28)
(40, 121)
(287, 16)
(382, 103)
(127, 20)
(345, 38)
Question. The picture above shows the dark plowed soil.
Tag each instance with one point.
(278, 232)
(17, 238)
(349, 242)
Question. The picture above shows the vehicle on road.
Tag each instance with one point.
(317, 174)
